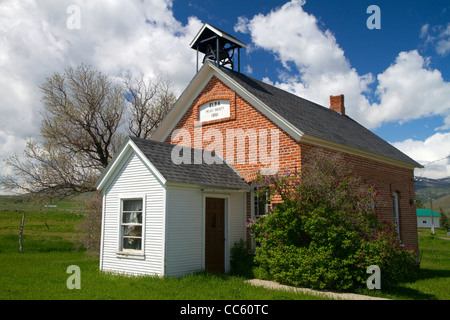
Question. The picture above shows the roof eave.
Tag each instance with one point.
(211, 188)
(282, 123)
(359, 152)
(183, 102)
(206, 72)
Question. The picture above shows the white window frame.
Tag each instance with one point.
(121, 250)
(256, 204)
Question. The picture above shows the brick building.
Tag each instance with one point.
(252, 127)
(303, 127)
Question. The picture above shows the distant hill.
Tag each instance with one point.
(437, 189)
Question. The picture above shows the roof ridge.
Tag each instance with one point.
(318, 121)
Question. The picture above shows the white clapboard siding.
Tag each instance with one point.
(236, 222)
(425, 222)
(184, 231)
(185, 228)
(237, 216)
(134, 177)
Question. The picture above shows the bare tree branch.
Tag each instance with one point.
(149, 102)
(83, 112)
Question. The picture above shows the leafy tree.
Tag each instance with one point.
(419, 204)
(443, 220)
(327, 230)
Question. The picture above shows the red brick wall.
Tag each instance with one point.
(388, 178)
(244, 117)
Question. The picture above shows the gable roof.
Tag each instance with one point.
(317, 121)
(426, 213)
(213, 175)
(303, 120)
(158, 156)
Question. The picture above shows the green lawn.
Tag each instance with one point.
(433, 279)
(40, 271)
(50, 235)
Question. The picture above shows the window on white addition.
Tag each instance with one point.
(131, 225)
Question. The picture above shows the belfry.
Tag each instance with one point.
(210, 41)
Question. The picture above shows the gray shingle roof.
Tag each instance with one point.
(318, 121)
(210, 175)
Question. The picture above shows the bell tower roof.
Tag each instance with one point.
(207, 35)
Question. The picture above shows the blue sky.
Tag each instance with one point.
(368, 51)
(396, 80)
(405, 26)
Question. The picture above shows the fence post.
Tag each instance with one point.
(21, 232)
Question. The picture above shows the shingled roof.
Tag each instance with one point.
(318, 121)
(209, 175)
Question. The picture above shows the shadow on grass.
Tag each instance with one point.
(431, 273)
(407, 293)
(403, 293)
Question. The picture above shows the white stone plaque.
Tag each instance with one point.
(214, 110)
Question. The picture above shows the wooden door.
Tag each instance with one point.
(215, 235)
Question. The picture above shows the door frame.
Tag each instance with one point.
(226, 197)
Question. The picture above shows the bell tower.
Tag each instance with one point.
(218, 46)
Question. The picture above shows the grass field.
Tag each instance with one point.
(49, 240)
(50, 247)
(433, 280)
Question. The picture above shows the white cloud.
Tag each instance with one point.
(406, 90)
(321, 66)
(409, 90)
(443, 45)
(437, 36)
(432, 153)
(315, 67)
(116, 37)
(242, 25)
(424, 30)
(248, 69)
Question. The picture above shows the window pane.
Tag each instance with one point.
(132, 243)
(134, 231)
(132, 205)
(132, 224)
(132, 217)
(261, 207)
(396, 213)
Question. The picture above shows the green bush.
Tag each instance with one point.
(241, 261)
(327, 231)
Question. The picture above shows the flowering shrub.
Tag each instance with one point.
(327, 230)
